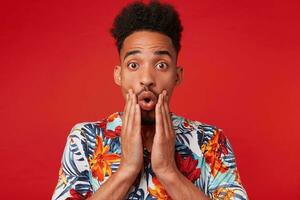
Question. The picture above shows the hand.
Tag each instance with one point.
(162, 155)
(131, 139)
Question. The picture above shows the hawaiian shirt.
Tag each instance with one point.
(93, 153)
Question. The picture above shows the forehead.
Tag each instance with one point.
(147, 41)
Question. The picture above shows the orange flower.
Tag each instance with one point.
(112, 117)
(101, 160)
(62, 176)
(212, 152)
(223, 193)
(158, 192)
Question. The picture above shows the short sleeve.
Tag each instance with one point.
(224, 181)
(73, 182)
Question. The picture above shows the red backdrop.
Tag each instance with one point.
(241, 67)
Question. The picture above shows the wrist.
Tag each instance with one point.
(128, 173)
(168, 176)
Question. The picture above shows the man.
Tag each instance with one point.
(146, 152)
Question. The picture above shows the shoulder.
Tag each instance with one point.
(180, 120)
(204, 131)
(88, 134)
(96, 128)
(83, 129)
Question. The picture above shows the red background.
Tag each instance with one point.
(241, 67)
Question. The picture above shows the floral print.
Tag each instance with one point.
(77, 196)
(93, 153)
(158, 192)
(101, 161)
(212, 152)
(188, 167)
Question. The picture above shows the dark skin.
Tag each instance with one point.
(148, 59)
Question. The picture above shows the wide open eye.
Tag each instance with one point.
(162, 66)
(132, 65)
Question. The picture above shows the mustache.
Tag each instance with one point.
(147, 89)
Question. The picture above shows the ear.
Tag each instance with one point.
(117, 75)
(179, 74)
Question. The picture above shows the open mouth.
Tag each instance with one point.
(147, 100)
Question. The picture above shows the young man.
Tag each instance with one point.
(146, 152)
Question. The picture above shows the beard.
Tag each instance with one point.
(147, 118)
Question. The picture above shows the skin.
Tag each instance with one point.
(148, 61)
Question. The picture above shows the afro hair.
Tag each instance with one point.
(155, 16)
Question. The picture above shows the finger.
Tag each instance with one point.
(158, 117)
(137, 117)
(164, 115)
(168, 116)
(127, 109)
(126, 105)
(131, 112)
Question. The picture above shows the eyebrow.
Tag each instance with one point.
(162, 52)
(131, 53)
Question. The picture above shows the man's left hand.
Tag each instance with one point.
(162, 155)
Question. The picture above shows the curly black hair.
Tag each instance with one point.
(155, 16)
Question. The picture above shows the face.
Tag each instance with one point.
(147, 66)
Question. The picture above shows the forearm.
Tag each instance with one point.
(116, 187)
(179, 187)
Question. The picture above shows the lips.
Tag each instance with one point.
(147, 100)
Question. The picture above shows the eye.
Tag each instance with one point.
(132, 65)
(162, 66)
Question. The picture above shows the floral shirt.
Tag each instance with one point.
(93, 153)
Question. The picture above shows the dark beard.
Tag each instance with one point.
(148, 121)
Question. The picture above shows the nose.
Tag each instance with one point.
(147, 78)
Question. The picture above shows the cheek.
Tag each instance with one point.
(167, 82)
(128, 82)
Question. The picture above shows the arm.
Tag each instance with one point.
(74, 180)
(219, 166)
(117, 186)
(73, 173)
(179, 187)
(163, 161)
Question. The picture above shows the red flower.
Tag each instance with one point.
(110, 133)
(102, 124)
(187, 125)
(77, 196)
(113, 134)
(188, 167)
(222, 142)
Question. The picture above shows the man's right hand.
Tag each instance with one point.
(131, 139)
(117, 186)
